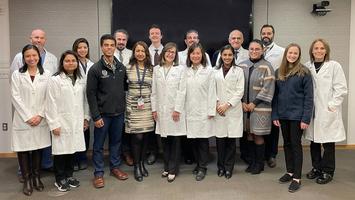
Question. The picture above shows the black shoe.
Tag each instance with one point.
(220, 172)
(62, 185)
(285, 178)
(151, 159)
(324, 178)
(144, 170)
(257, 168)
(248, 169)
(138, 173)
(245, 159)
(49, 169)
(200, 175)
(164, 174)
(171, 178)
(314, 173)
(271, 162)
(73, 182)
(294, 186)
(228, 174)
(37, 183)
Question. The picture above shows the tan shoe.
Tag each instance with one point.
(120, 175)
(99, 182)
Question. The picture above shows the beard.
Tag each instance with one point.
(267, 41)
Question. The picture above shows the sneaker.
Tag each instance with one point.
(314, 173)
(294, 186)
(62, 185)
(324, 178)
(73, 182)
(285, 178)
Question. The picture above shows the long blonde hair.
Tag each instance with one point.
(288, 69)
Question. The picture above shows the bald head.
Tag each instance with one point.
(236, 39)
(38, 38)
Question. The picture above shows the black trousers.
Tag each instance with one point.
(292, 134)
(153, 146)
(171, 152)
(325, 163)
(139, 143)
(226, 151)
(272, 142)
(200, 148)
(186, 148)
(63, 166)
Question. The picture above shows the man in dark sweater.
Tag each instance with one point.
(106, 83)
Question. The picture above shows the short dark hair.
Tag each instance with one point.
(24, 68)
(121, 30)
(107, 37)
(76, 45)
(61, 69)
(155, 26)
(191, 31)
(268, 26)
(191, 49)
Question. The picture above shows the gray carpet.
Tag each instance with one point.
(241, 186)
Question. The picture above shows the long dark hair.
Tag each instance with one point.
(220, 61)
(23, 69)
(76, 46)
(61, 69)
(147, 62)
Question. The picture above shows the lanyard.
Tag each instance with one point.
(83, 65)
(140, 82)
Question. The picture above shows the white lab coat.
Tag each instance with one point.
(126, 55)
(168, 95)
(229, 89)
(329, 91)
(242, 56)
(66, 109)
(200, 102)
(183, 58)
(274, 54)
(50, 63)
(28, 99)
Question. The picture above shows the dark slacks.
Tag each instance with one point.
(325, 163)
(63, 166)
(200, 148)
(226, 151)
(292, 134)
(186, 148)
(171, 152)
(272, 142)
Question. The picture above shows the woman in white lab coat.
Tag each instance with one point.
(228, 123)
(200, 106)
(327, 126)
(82, 48)
(30, 132)
(67, 116)
(168, 100)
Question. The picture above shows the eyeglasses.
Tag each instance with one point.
(171, 52)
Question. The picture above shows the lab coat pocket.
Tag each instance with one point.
(19, 124)
(330, 120)
(66, 123)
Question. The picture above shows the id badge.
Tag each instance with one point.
(140, 103)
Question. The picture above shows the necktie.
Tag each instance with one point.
(156, 57)
(120, 56)
(236, 54)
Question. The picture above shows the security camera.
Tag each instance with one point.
(320, 8)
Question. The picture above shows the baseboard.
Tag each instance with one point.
(340, 146)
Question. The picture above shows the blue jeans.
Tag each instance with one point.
(47, 161)
(113, 127)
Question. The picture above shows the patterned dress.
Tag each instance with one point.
(139, 120)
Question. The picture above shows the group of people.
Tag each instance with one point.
(155, 90)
